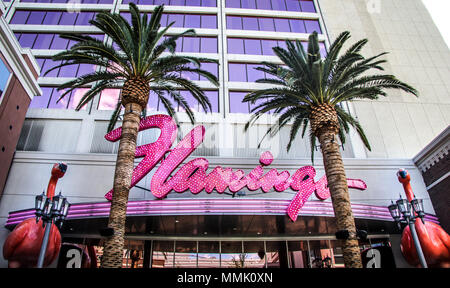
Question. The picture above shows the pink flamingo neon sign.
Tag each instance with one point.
(192, 175)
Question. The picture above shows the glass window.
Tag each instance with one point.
(320, 252)
(43, 41)
(191, 44)
(208, 45)
(297, 26)
(177, 2)
(193, 2)
(52, 18)
(108, 99)
(192, 21)
(48, 64)
(266, 24)
(85, 69)
(248, 4)
(209, 3)
(293, 5)
(237, 72)
(75, 97)
(36, 17)
(236, 104)
(177, 18)
(233, 3)
(279, 5)
(127, 16)
(59, 43)
(312, 25)
(264, 4)
(212, 68)
(190, 75)
(68, 18)
(254, 254)
(162, 254)
(250, 23)
(160, 2)
(208, 254)
(152, 104)
(253, 74)
(234, 22)
(232, 254)
(213, 97)
(27, 39)
(54, 103)
(298, 254)
(267, 46)
(42, 101)
(235, 46)
(185, 254)
(276, 254)
(68, 71)
(209, 21)
(84, 18)
(307, 6)
(252, 46)
(282, 25)
(5, 73)
(163, 21)
(20, 17)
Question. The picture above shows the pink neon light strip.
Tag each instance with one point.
(211, 207)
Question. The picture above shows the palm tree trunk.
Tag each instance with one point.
(337, 183)
(113, 251)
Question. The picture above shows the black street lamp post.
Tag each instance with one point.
(405, 212)
(50, 210)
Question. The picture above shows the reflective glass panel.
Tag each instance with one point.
(208, 254)
(232, 254)
(266, 24)
(36, 17)
(254, 254)
(253, 74)
(250, 23)
(252, 46)
(191, 44)
(293, 5)
(264, 4)
(235, 46)
(177, 18)
(312, 25)
(233, 3)
(108, 99)
(279, 5)
(234, 22)
(209, 21)
(185, 254)
(307, 6)
(236, 104)
(192, 21)
(42, 101)
(20, 17)
(320, 253)
(248, 4)
(297, 26)
(267, 46)
(68, 18)
(208, 45)
(298, 254)
(282, 25)
(52, 18)
(162, 254)
(237, 72)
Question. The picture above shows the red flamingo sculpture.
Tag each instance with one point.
(23, 244)
(434, 240)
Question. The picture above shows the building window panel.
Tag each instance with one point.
(282, 25)
(264, 4)
(209, 3)
(236, 104)
(266, 24)
(307, 6)
(234, 22)
(193, 2)
(36, 17)
(84, 18)
(279, 5)
(213, 97)
(233, 4)
(68, 19)
(43, 41)
(192, 21)
(267, 46)
(248, 4)
(253, 74)
(235, 46)
(191, 44)
(312, 25)
(293, 5)
(212, 68)
(20, 17)
(237, 72)
(250, 23)
(108, 99)
(297, 26)
(27, 40)
(177, 18)
(42, 101)
(177, 2)
(52, 18)
(160, 2)
(54, 103)
(252, 46)
(59, 43)
(209, 21)
(208, 45)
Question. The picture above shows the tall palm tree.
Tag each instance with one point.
(137, 66)
(308, 89)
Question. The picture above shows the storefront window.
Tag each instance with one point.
(208, 254)
(321, 254)
(276, 252)
(162, 254)
(298, 254)
(255, 255)
(232, 255)
(185, 254)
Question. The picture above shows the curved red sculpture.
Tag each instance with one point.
(23, 244)
(434, 240)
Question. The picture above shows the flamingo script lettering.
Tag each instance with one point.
(193, 175)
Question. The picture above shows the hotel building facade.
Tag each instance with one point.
(249, 228)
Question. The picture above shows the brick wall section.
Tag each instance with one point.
(12, 115)
(440, 197)
(436, 171)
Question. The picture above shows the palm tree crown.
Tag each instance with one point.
(310, 89)
(135, 63)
